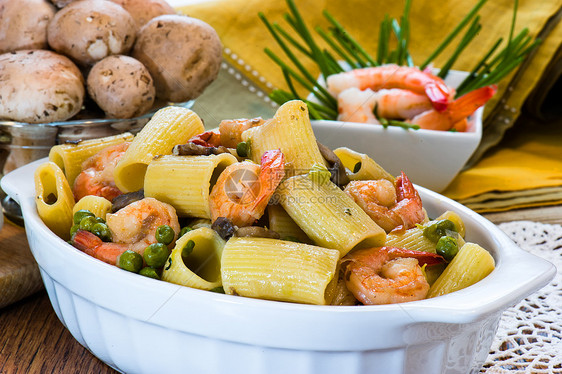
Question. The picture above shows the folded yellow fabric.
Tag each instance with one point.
(524, 171)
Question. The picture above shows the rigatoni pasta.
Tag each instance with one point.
(253, 228)
(282, 223)
(472, 264)
(328, 215)
(70, 156)
(169, 126)
(361, 166)
(278, 270)
(200, 267)
(291, 132)
(189, 187)
(54, 198)
(98, 205)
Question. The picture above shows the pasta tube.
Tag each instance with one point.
(98, 205)
(362, 166)
(54, 199)
(169, 126)
(201, 268)
(278, 270)
(412, 239)
(69, 157)
(471, 264)
(291, 132)
(283, 224)
(328, 215)
(193, 177)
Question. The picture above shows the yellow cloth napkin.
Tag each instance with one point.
(523, 171)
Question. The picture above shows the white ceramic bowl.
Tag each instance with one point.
(429, 158)
(140, 325)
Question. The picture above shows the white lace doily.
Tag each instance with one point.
(529, 336)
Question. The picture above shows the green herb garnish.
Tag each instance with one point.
(345, 53)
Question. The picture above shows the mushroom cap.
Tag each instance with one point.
(90, 30)
(39, 86)
(23, 24)
(143, 11)
(121, 86)
(183, 55)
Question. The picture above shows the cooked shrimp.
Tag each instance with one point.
(96, 177)
(132, 227)
(355, 105)
(207, 139)
(231, 130)
(392, 207)
(243, 189)
(92, 245)
(136, 223)
(457, 112)
(387, 275)
(399, 104)
(393, 76)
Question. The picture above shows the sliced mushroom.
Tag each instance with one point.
(337, 170)
(122, 201)
(256, 232)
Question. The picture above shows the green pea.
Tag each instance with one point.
(242, 149)
(447, 247)
(80, 214)
(87, 223)
(150, 272)
(73, 229)
(164, 234)
(187, 248)
(440, 228)
(130, 261)
(184, 230)
(100, 220)
(102, 231)
(156, 254)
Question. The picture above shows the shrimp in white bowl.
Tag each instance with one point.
(387, 275)
(392, 206)
(132, 228)
(394, 76)
(243, 189)
(96, 177)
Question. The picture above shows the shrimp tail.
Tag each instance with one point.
(467, 104)
(424, 258)
(272, 171)
(409, 205)
(438, 94)
(207, 139)
(93, 246)
(86, 241)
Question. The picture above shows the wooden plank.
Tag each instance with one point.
(19, 273)
(32, 340)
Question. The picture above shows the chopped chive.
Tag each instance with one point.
(452, 34)
(349, 39)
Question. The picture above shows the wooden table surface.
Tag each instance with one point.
(32, 339)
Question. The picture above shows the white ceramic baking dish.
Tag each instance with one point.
(140, 325)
